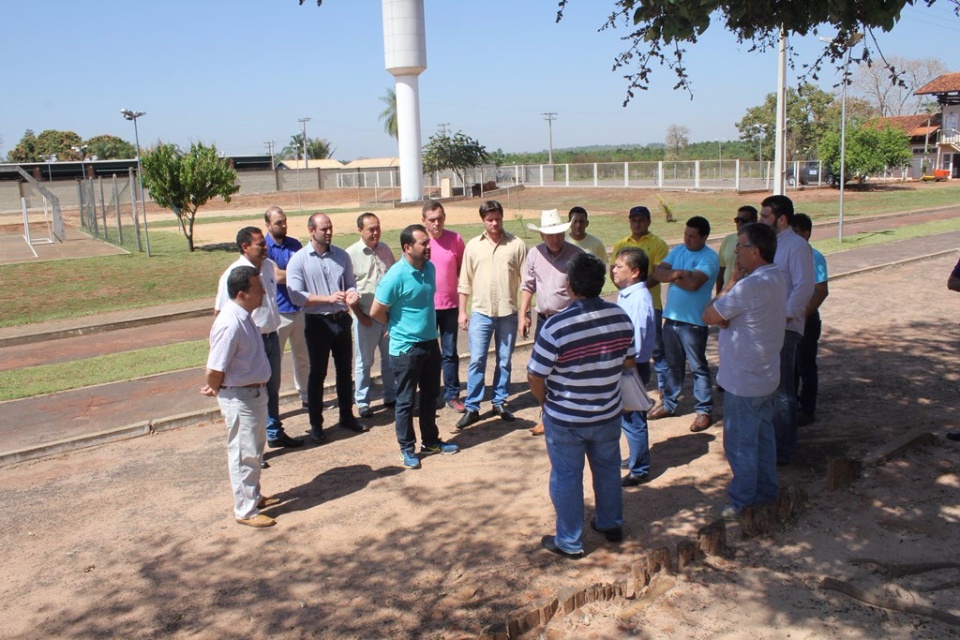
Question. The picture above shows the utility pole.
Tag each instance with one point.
(443, 127)
(550, 116)
(303, 123)
(269, 145)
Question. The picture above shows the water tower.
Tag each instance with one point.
(405, 54)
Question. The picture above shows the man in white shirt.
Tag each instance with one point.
(253, 253)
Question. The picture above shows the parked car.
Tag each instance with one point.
(810, 174)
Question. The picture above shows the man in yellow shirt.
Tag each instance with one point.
(656, 250)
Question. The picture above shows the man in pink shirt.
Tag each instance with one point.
(446, 254)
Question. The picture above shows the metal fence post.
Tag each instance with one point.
(116, 200)
(136, 212)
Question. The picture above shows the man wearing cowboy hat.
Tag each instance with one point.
(545, 273)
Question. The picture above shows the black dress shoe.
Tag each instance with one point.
(366, 412)
(631, 480)
(953, 435)
(318, 436)
(283, 440)
(264, 464)
(353, 425)
(548, 543)
(501, 411)
(469, 418)
(612, 535)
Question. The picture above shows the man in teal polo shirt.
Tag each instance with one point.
(404, 302)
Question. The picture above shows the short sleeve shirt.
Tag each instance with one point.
(749, 348)
(281, 254)
(687, 306)
(409, 293)
(446, 254)
(267, 315)
(590, 244)
(236, 348)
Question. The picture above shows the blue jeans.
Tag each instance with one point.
(686, 343)
(367, 341)
(785, 404)
(504, 331)
(418, 367)
(448, 327)
(634, 425)
(659, 359)
(271, 345)
(808, 378)
(600, 443)
(750, 445)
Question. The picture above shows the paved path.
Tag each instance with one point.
(63, 421)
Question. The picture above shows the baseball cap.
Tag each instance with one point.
(640, 210)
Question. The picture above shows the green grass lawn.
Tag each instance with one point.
(82, 287)
(35, 293)
(33, 381)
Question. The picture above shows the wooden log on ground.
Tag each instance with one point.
(842, 472)
(686, 553)
(532, 616)
(887, 602)
(712, 539)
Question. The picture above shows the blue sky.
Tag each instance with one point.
(238, 73)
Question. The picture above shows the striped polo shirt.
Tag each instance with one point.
(580, 353)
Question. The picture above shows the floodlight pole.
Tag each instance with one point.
(851, 41)
(134, 115)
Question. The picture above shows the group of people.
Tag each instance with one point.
(409, 309)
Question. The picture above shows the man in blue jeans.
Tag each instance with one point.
(490, 279)
(574, 373)
(795, 259)
(750, 311)
(404, 303)
(690, 269)
(630, 269)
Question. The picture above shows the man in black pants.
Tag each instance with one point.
(320, 280)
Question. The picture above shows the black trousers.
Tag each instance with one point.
(328, 334)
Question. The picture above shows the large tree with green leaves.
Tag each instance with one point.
(458, 153)
(869, 150)
(184, 182)
(809, 114)
(659, 29)
(107, 147)
(26, 149)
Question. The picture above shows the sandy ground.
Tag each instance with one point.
(136, 539)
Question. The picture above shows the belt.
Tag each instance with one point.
(544, 316)
(255, 385)
(339, 315)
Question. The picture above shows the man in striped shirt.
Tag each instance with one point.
(574, 372)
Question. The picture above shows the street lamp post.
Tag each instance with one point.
(851, 41)
(133, 115)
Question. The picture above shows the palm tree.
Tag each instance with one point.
(293, 150)
(317, 148)
(389, 115)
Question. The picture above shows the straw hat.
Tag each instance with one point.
(550, 223)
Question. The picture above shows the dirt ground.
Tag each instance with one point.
(136, 539)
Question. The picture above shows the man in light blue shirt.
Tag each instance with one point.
(808, 378)
(404, 302)
(320, 281)
(690, 269)
(630, 272)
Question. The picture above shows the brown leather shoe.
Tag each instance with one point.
(258, 521)
(659, 412)
(702, 422)
(267, 502)
(537, 430)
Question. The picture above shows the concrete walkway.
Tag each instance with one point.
(47, 425)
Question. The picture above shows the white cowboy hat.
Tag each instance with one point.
(550, 223)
